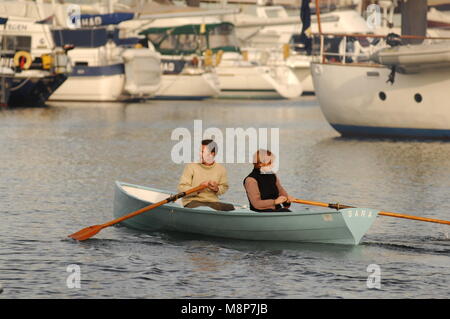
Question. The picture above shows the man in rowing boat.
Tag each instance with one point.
(263, 187)
(208, 173)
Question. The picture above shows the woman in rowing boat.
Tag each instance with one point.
(263, 187)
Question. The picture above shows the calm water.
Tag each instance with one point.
(58, 166)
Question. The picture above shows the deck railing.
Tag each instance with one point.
(342, 48)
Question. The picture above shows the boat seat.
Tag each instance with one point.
(155, 196)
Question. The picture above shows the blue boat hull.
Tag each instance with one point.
(351, 130)
(33, 92)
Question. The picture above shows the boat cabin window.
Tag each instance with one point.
(169, 43)
(155, 38)
(81, 63)
(190, 39)
(187, 42)
(15, 43)
(178, 43)
(223, 36)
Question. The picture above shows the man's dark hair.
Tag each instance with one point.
(212, 146)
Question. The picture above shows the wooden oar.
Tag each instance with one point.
(339, 206)
(90, 231)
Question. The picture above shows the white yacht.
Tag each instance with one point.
(107, 66)
(106, 69)
(187, 73)
(241, 78)
(238, 77)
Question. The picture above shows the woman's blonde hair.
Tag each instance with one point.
(262, 158)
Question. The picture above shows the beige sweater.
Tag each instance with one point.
(196, 173)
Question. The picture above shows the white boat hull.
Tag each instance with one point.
(136, 73)
(357, 100)
(258, 82)
(188, 86)
(91, 88)
(303, 74)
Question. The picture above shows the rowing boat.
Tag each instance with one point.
(345, 226)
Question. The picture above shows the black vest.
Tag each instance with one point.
(267, 185)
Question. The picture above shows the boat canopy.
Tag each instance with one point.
(193, 38)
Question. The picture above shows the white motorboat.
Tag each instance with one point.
(107, 66)
(239, 78)
(31, 66)
(298, 64)
(105, 69)
(186, 73)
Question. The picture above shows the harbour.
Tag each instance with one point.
(224, 150)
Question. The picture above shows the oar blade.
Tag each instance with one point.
(90, 231)
(86, 233)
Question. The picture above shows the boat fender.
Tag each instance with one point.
(286, 50)
(244, 55)
(219, 55)
(393, 39)
(194, 61)
(22, 60)
(47, 61)
(207, 57)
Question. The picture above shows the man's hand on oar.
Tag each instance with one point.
(90, 231)
(339, 206)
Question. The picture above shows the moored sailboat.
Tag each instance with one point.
(239, 78)
(392, 90)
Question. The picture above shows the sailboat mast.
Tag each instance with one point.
(318, 17)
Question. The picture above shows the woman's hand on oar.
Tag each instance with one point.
(90, 231)
(339, 206)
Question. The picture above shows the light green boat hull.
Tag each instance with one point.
(346, 226)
